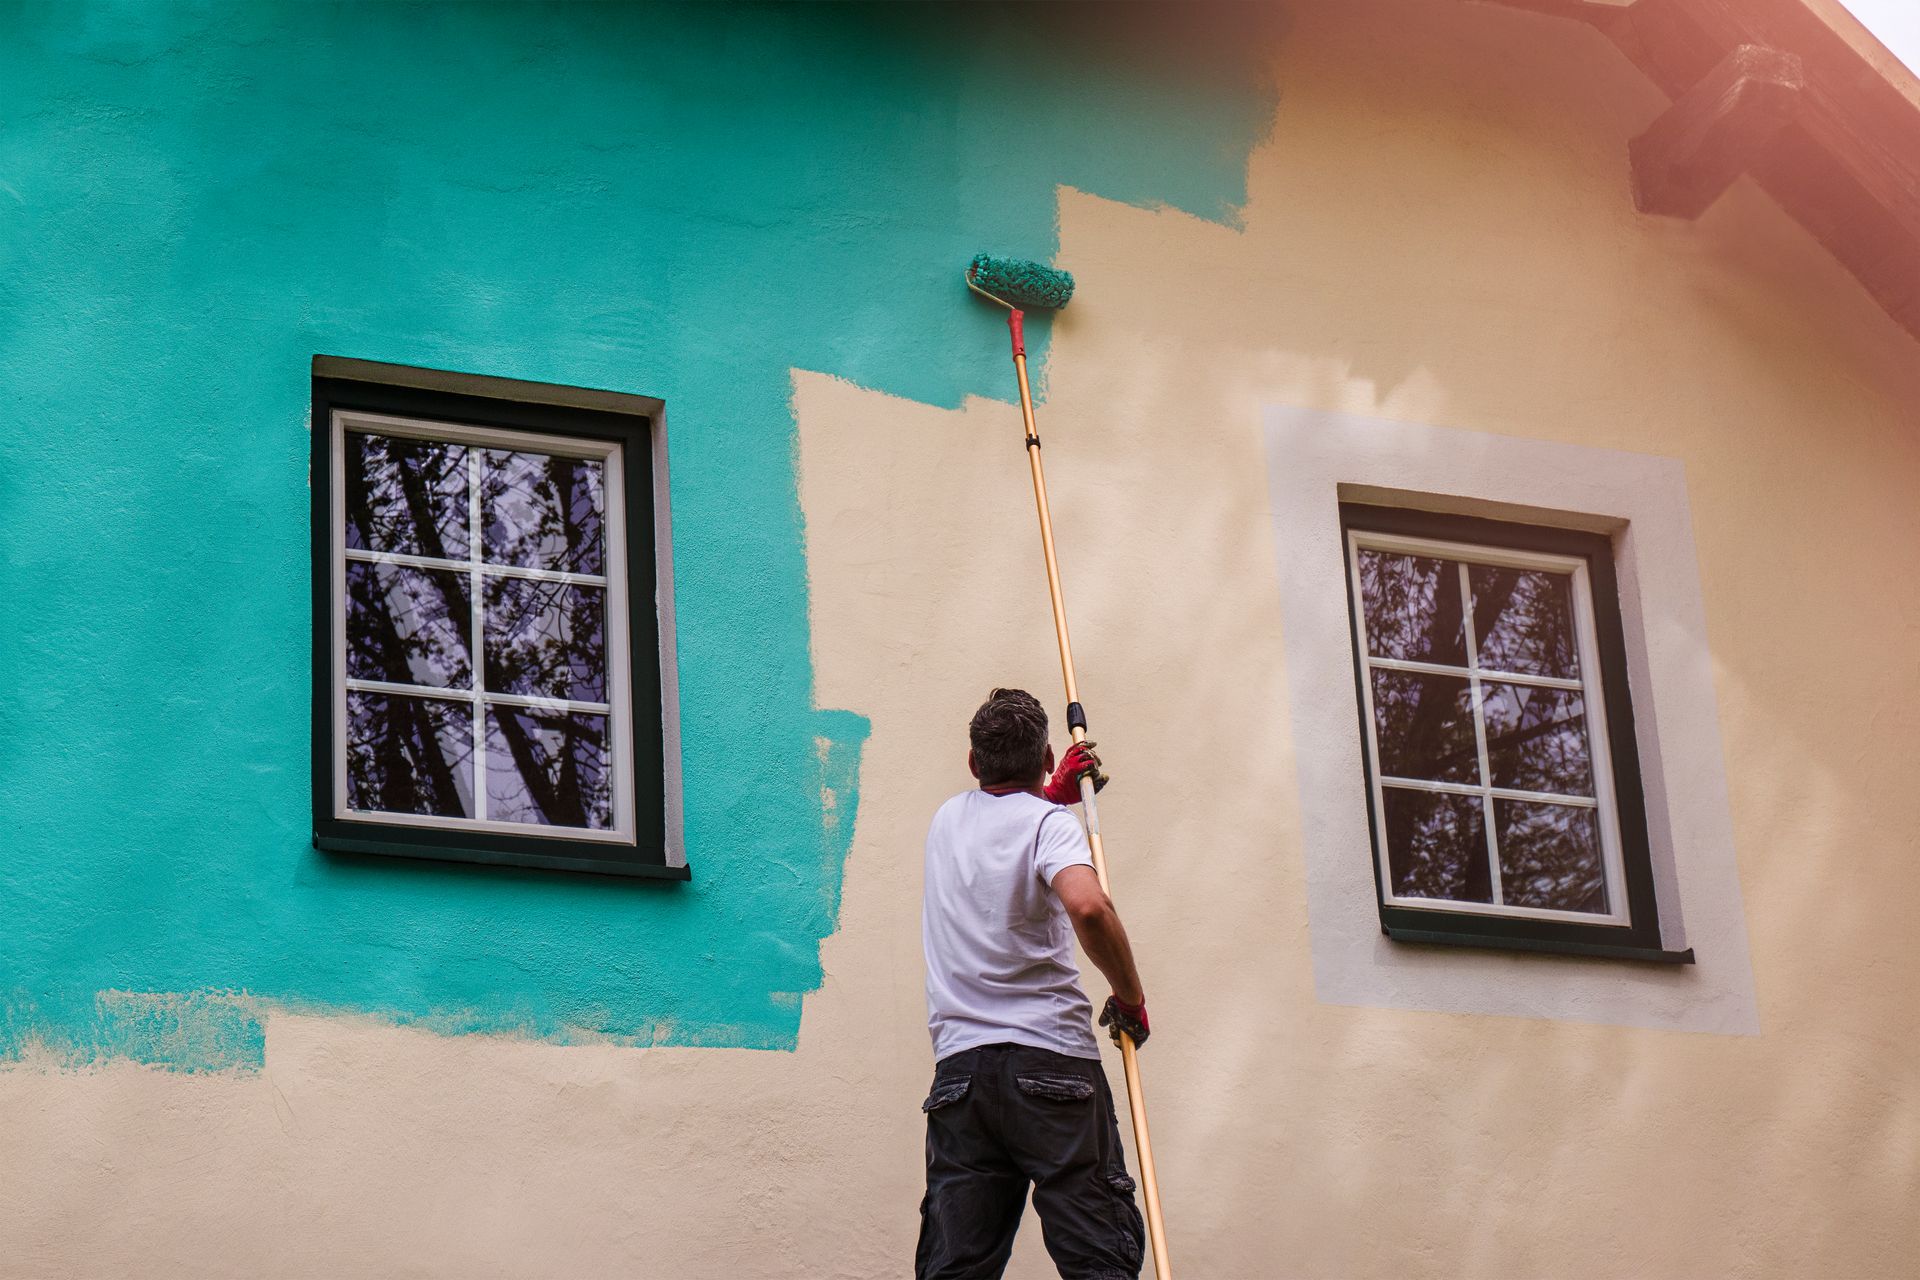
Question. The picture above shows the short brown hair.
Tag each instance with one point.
(1009, 738)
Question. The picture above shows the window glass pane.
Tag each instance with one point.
(409, 755)
(549, 767)
(1523, 621)
(408, 626)
(1425, 727)
(1550, 856)
(1537, 738)
(545, 639)
(1412, 608)
(542, 512)
(406, 496)
(1436, 846)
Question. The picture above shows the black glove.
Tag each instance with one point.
(1117, 1015)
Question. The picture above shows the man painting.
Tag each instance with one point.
(1019, 1098)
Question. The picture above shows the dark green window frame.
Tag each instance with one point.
(1639, 938)
(646, 854)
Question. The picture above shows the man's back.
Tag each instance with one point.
(1019, 1099)
(999, 944)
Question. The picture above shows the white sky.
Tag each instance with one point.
(1896, 23)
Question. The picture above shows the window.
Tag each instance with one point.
(1503, 786)
(487, 670)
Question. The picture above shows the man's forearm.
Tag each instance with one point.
(1104, 939)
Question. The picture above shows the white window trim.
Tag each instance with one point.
(620, 700)
(1318, 458)
(1592, 695)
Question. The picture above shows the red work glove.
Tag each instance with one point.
(1120, 1016)
(1064, 786)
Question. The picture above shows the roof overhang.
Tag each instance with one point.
(1797, 94)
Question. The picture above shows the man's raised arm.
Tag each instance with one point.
(1104, 938)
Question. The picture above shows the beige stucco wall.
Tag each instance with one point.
(1438, 231)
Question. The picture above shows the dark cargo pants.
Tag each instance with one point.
(1001, 1117)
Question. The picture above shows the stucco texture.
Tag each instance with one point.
(1437, 229)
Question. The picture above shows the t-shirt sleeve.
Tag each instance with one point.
(1060, 844)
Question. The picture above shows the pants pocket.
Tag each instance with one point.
(946, 1091)
(1054, 1086)
(1131, 1238)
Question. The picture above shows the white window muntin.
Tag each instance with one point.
(620, 701)
(1589, 683)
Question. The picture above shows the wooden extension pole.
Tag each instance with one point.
(1129, 1055)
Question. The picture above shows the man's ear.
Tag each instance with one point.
(972, 768)
(1046, 762)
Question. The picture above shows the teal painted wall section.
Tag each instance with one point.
(686, 202)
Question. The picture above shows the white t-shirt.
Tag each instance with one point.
(999, 945)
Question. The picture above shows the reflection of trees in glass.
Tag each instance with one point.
(542, 512)
(1425, 725)
(1412, 608)
(1436, 846)
(548, 767)
(411, 626)
(1523, 621)
(409, 755)
(407, 496)
(404, 496)
(1550, 856)
(545, 639)
(1536, 736)
(399, 629)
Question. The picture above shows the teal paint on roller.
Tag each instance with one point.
(1019, 283)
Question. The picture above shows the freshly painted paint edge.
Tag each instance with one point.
(197, 1032)
(1315, 459)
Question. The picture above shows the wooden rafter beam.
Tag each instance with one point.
(1846, 162)
(1714, 132)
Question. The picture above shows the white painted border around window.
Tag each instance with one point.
(1317, 459)
(619, 695)
(669, 654)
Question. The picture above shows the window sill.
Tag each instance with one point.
(462, 853)
(1605, 951)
